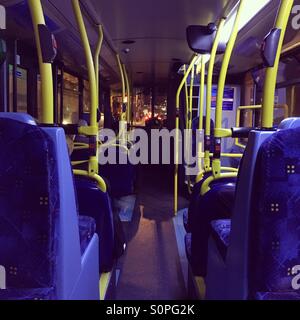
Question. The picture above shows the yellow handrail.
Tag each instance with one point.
(96, 59)
(37, 15)
(285, 107)
(190, 111)
(201, 106)
(123, 115)
(271, 72)
(209, 88)
(201, 93)
(96, 177)
(91, 130)
(206, 184)
(128, 109)
(216, 163)
(177, 132)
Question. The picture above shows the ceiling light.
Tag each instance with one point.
(249, 12)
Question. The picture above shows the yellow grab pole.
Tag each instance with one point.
(37, 16)
(225, 65)
(191, 97)
(186, 101)
(92, 130)
(177, 132)
(128, 109)
(201, 93)
(271, 72)
(123, 116)
(98, 179)
(209, 90)
(190, 112)
(216, 163)
(96, 59)
(201, 107)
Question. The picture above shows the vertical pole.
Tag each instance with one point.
(45, 68)
(3, 85)
(271, 73)
(55, 93)
(15, 80)
(62, 94)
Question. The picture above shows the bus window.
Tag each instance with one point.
(21, 89)
(71, 99)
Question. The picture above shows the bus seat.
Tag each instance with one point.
(121, 177)
(215, 204)
(275, 224)
(92, 202)
(39, 234)
(193, 209)
(289, 123)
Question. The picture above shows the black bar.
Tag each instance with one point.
(241, 132)
(3, 87)
(61, 95)
(55, 92)
(15, 83)
(70, 128)
(32, 92)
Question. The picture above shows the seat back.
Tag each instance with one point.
(274, 262)
(29, 203)
(96, 204)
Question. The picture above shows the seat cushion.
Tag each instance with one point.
(221, 234)
(87, 228)
(214, 205)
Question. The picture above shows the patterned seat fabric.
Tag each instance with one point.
(29, 206)
(87, 228)
(221, 234)
(274, 261)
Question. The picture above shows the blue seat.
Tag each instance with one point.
(215, 204)
(275, 222)
(39, 232)
(263, 256)
(192, 211)
(92, 202)
(121, 177)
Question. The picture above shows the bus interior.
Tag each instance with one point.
(149, 150)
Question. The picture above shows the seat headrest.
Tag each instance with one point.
(290, 123)
(21, 117)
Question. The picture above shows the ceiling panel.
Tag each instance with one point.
(158, 27)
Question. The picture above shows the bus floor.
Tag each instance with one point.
(151, 268)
